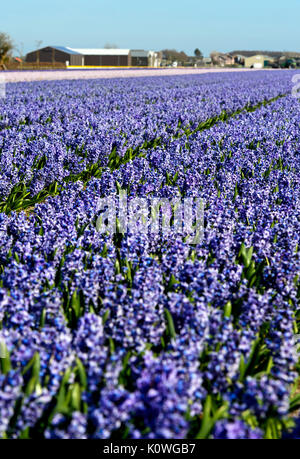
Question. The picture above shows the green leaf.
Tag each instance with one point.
(206, 423)
(76, 304)
(172, 282)
(245, 369)
(105, 316)
(111, 346)
(81, 373)
(228, 309)
(43, 318)
(170, 324)
(76, 397)
(34, 382)
(5, 364)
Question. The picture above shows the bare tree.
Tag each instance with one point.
(38, 43)
(110, 46)
(6, 46)
(172, 55)
(20, 50)
(214, 55)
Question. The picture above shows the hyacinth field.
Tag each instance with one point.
(137, 335)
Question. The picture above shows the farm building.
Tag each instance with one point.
(261, 59)
(258, 61)
(52, 54)
(221, 59)
(105, 57)
(139, 58)
(142, 58)
(273, 54)
(94, 57)
(81, 57)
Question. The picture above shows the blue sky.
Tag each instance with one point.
(221, 25)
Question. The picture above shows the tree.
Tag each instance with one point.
(110, 46)
(20, 50)
(38, 43)
(214, 55)
(6, 46)
(198, 53)
(173, 55)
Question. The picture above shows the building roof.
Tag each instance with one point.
(64, 49)
(264, 53)
(139, 53)
(100, 52)
(259, 56)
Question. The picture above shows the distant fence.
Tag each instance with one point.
(35, 66)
